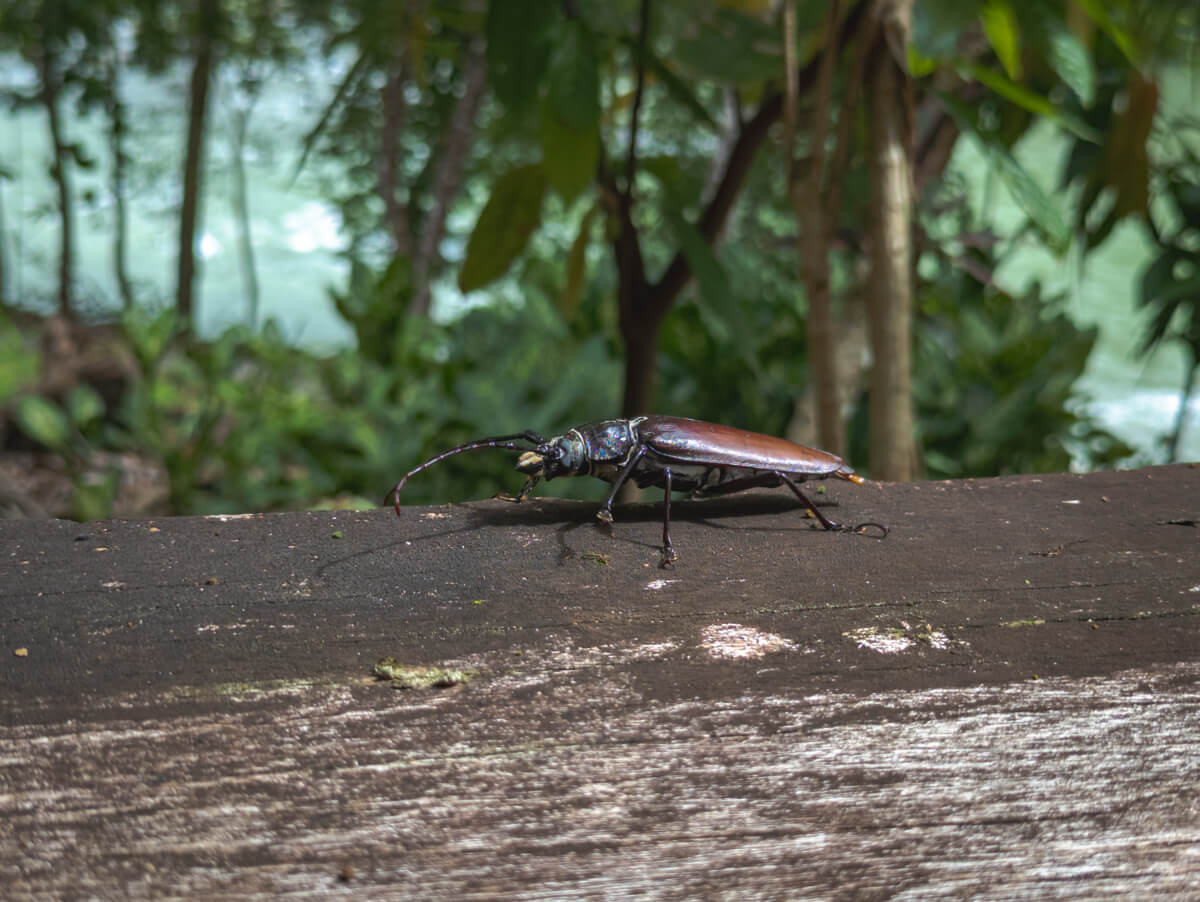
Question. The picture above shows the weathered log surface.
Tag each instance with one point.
(1000, 700)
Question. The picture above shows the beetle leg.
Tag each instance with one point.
(821, 518)
(527, 488)
(669, 556)
(523, 494)
(605, 512)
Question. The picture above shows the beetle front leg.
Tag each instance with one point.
(521, 495)
(605, 512)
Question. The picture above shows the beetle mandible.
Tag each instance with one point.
(671, 453)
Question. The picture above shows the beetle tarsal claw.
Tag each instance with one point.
(861, 529)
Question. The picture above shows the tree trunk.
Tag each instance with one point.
(641, 349)
(116, 118)
(60, 154)
(193, 163)
(893, 449)
(241, 199)
(816, 219)
(395, 111)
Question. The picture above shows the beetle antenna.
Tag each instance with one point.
(508, 442)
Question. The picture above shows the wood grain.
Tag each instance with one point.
(1000, 701)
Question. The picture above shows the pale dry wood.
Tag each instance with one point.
(576, 786)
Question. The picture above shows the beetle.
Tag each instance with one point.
(672, 453)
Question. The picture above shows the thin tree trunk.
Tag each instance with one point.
(116, 116)
(241, 201)
(202, 68)
(448, 173)
(395, 111)
(51, 92)
(815, 222)
(893, 447)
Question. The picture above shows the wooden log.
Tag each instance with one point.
(999, 700)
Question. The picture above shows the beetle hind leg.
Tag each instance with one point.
(860, 529)
(821, 518)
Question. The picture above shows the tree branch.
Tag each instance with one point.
(716, 213)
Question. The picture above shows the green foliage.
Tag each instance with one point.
(1170, 285)
(994, 387)
(43, 421)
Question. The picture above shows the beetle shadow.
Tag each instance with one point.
(569, 516)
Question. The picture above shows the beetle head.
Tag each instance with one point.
(562, 455)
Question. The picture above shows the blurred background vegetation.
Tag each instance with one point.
(270, 255)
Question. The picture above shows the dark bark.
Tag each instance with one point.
(641, 349)
(193, 164)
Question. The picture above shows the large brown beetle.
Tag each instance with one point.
(671, 453)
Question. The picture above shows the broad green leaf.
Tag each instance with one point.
(1072, 63)
(573, 81)
(577, 266)
(508, 219)
(1029, 100)
(1004, 34)
(519, 42)
(85, 405)
(43, 421)
(569, 156)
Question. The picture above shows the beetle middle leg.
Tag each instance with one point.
(669, 555)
